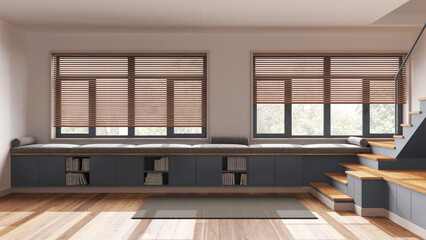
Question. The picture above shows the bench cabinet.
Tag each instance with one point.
(194, 170)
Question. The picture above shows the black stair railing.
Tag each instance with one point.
(399, 73)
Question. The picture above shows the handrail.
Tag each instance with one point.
(397, 75)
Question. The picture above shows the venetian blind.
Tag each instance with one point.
(327, 78)
(130, 90)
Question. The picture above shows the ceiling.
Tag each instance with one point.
(139, 14)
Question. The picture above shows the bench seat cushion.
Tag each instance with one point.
(44, 148)
(161, 148)
(220, 148)
(307, 148)
(102, 148)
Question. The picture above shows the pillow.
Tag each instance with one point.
(229, 140)
(358, 141)
(17, 142)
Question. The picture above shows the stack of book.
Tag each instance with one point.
(75, 179)
(237, 163)
(77, 164)
(228, 179)
(85, 164)
(154, 179)
(243, 180)
(161, 164)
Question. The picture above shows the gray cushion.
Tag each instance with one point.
(44, 148)
(102, 148)
(335, 148)
(161, 148)
(220, 148)
(229, 140)
(358, 141)
(276, 148)
(308, 148)
(23, 141)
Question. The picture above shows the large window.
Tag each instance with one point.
(326, 95)
(130, 95)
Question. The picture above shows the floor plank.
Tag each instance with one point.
(108, 216)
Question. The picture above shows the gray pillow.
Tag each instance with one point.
(17, 142)
(229, 140)
(358, 141)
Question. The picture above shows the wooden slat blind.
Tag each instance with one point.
(130, 90)
(327, 79)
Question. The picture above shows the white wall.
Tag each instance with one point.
(418, 73)
(229, 62)
(13, 85)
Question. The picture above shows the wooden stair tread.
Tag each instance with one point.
(406, 125)
(375, 157)
(363, 175)
(331, 192)
(422, 99)
(384, 144)
(416, 112)
(398, 136)
(411, 179)
(339, 177)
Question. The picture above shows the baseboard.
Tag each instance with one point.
(5, 191)
(370, 212)
(406, 224)
(336, 206)
(381, 212)
(163, 189)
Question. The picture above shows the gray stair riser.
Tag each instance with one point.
(339, 186)
(423, 106)
(369, 163)
(387, 152)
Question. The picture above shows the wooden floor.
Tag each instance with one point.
(108, 216)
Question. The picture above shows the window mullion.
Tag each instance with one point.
(327, 96)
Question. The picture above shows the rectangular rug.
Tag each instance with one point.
(223, 207)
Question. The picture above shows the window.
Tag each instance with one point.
(130, 95)
(326, 95)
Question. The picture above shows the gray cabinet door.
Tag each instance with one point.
(103, 171)
(51, 170)
(209, 170)
(129, 170)
(24, 170)
(182, 171)
(261, 171)
(289, 170)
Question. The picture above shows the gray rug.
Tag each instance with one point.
(223, 207)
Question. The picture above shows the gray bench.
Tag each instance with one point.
(195, 149)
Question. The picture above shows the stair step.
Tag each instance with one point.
(375, 157)
(355, 166)
(398, 136)
(384, 144)
(422, 99)
(406, 125)
(331, 192)
(363, 175)
(416, 112)
(339, 177)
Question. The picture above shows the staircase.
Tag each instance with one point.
(406, 152)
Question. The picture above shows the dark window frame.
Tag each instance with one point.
(326, 114)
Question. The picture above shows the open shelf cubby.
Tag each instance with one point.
(156, 172)
(77, 171)
(234, 171)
